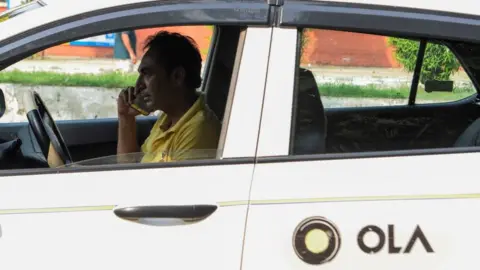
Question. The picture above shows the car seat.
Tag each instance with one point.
(310, 122)
(217, 94)
(470, 137)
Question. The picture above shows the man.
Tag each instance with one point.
(125, 49)
(170, 73)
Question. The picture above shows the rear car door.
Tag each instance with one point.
(399, 208)
(179, 215)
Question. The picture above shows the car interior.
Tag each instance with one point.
(29, 144)
(316, 130)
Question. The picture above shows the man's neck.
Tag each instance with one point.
(175, 115)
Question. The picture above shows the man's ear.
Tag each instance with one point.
(178, 76)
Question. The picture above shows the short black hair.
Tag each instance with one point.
(174, 50)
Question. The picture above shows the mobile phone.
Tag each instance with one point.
(140, 105)
(139, 109)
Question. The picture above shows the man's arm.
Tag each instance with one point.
(127, 126)
(128, 46)
(127, 135)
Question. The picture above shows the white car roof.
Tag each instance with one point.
(458, 6)
(54, 11)
(59, 9)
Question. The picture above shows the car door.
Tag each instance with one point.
(76, 134)
(402, 209)
(181, 215)
(417, 118)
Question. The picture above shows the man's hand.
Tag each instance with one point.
(127, 130)
(123, 103)
(133, 58)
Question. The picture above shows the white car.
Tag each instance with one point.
(297, 183)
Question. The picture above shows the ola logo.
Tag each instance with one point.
(316, 240)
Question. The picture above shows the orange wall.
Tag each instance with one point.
(324, 47)
(201, 34)
(336, 48)
(79, 51)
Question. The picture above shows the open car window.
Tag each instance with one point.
(81, 79)
(140, 157)
(81, 93)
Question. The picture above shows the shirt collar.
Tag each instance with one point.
(194, 109)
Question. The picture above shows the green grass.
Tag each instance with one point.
(106, 80)
(120, 80)
(373, 91)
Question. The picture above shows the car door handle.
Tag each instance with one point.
(184, 212)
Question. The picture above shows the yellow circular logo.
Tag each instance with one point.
(316, 240)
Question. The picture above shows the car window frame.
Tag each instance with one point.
(205, 76)
(348, 17)
(410, 23)
(137, 15)
(366, 18)
(108, 20)
(412, 98)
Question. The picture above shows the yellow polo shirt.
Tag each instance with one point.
(194, 136)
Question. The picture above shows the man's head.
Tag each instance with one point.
(169, 71)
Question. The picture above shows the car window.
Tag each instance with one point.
(364, 70)
(81, 79)
(357, 92)
(139, 157)
(442, 77)
(186, 126)
(354, 69)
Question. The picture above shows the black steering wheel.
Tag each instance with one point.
(46, 131)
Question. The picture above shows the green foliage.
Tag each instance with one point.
(438, 64)
(304, 39)
(106, 80)
(398, 92)
(204, 51)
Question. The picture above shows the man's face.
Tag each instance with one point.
(157, 88)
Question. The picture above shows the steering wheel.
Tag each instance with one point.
(46, 131)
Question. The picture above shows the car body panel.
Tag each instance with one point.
(353, 193)
(244, 125)
(461, 7)
(68, 218)
(61, 9)
(373, 204)
(278, 94)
